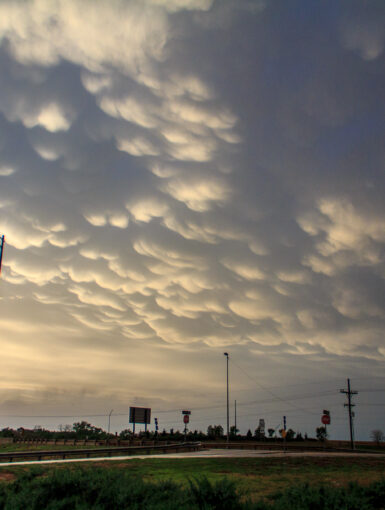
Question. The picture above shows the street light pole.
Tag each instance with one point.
(227, 388)
(109, 420)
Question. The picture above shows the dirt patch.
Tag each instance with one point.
(7, 477)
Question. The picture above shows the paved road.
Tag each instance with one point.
(215, 453)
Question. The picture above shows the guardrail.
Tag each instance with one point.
(282, 446)
(105, 452)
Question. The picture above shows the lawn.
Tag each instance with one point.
(256, 477)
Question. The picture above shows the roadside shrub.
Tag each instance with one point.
(220, 495)
(117, 489)
(96, 489)
(353, 497)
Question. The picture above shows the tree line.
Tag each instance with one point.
(84, 430)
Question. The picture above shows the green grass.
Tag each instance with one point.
(115, 488)
(258, 477)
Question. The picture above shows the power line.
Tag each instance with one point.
(266, 389)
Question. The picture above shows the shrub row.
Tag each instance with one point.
(112, 489)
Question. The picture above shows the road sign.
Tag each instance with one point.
(325, 419)
(186, 412)
(140, 415)
(186, 418)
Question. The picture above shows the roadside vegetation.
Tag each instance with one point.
(100, 488)
(253, 479)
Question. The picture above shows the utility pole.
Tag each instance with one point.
(349, 405)
(227, 389)
(1, 250)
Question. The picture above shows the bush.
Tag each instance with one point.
(117, 489)
(221, 495)
(353, 497)
(80, 489)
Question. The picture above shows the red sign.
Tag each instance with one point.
(186, 418)
(325, 419)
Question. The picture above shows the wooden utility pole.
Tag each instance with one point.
(349, 405)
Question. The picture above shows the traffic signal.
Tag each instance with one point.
(284, 422)
(156, 424)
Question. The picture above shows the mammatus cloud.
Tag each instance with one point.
(187, 175)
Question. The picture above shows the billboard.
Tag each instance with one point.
(140, 415)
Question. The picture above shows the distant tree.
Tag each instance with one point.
(290, 435)
(271, 432)
(85, 430)
(258, 436)
(377, 435)
(215, 431)
(126, 434)
(7, 432)
(249, 435)
(233, 432)
(321, 433)
(299, 437)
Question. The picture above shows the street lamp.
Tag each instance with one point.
(227, 388)
(109, 420)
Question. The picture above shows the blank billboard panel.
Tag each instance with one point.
(140, 415)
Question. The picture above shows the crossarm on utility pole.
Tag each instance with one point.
(350, 405)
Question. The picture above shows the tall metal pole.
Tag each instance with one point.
(235, 417)
(109, 420)
(227, 388)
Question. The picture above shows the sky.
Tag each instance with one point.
(184, 178)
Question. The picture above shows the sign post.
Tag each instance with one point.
(186, 419)
(326, 420)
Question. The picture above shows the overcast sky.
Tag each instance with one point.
(180, 178)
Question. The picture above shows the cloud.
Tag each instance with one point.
(51, 117)
(199, 194)
(179, 176)
(351, 237)
(146, 209)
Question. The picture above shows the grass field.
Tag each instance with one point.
(254, 477)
